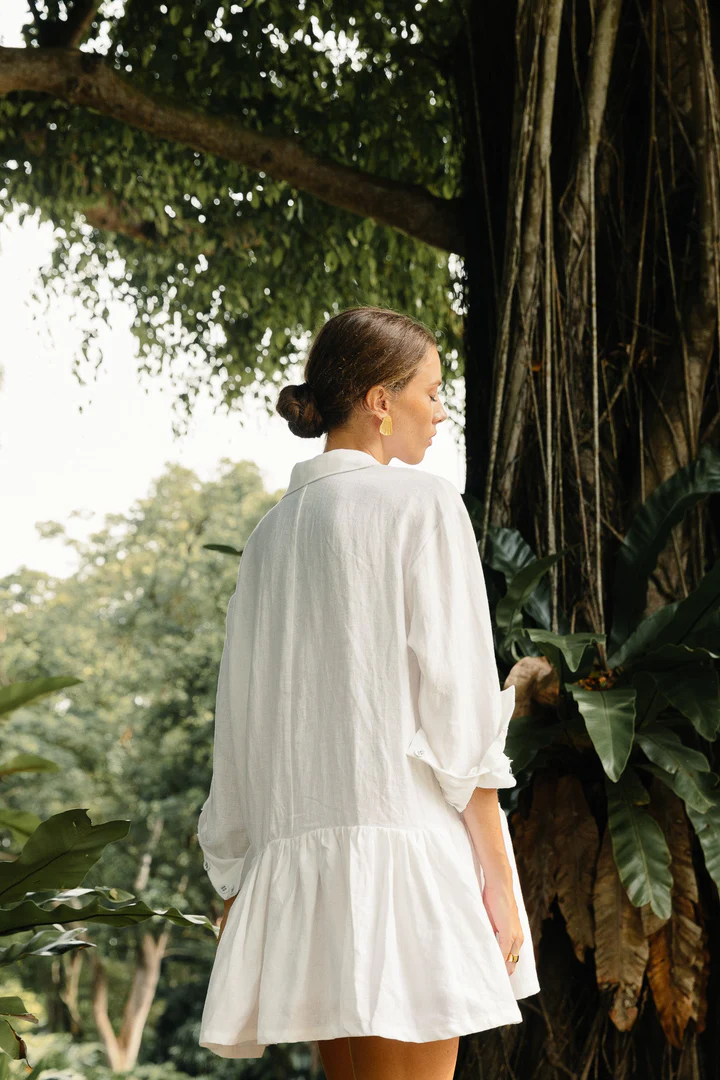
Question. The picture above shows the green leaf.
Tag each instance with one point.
(642, 639)
(28, 915)
(520, 589)
(648, 533)
(13, 1006)
(570, 654)
(59, 854)
(27, 763)
(684, 765)
(707, 636)
(525, 737)
(11, 1043)
(692, 613)
(22, 693)
(21, 823)
(224, 549)
(507, 552)
(44, 943)
(707, 827)
(639, 846)
(688, 680)
(609, 717)
(705, 793)
(649, 702)
(175, 14)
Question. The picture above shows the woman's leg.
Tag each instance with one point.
(335, 1056)
(375, 1058)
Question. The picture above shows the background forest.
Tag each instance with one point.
(539, 182)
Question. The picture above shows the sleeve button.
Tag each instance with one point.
(419, 753)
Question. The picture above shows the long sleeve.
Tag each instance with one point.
(221, 834)
(464, 715)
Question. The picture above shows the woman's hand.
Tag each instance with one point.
(500, 904)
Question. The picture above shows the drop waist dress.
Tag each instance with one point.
(358, 707)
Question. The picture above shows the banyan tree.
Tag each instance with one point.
(538, 181)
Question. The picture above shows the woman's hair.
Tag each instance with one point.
(352, 352)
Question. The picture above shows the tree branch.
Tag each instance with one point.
(68, 33)
(109, 216)
(74, 30)
(85, 79)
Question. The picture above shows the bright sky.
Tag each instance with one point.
(96, 448)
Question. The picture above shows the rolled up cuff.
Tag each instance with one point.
(224, 872)
(493, 771)
(224, 875)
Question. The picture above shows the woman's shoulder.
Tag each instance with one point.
(424, 493)
(407, 501)
(417, 502)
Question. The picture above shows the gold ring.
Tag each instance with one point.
(513, 957)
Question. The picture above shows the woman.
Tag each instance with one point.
(353, 827)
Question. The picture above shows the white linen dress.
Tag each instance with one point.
(358, 706)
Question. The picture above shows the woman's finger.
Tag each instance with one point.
(510, 945)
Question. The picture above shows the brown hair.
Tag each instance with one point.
(352, 352)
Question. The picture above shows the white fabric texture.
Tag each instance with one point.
(358, 707)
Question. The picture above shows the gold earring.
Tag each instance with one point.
(386, 426)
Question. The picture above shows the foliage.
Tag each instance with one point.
(660, 684)
(652, 709)
(208, 252)
(58, 853)
(147, 611)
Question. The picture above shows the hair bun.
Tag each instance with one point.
(352, 352)
(298, 405)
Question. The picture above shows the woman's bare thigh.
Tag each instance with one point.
(336, 1060)
(370, 1057)
(375, 1058)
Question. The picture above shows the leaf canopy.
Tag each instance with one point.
(221, 262)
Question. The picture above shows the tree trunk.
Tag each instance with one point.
(593, 291)
(682, 371)
(122, 1049)
(485, 194)
(63, 1004)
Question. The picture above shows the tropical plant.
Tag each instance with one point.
(612, 765)
(39, 885)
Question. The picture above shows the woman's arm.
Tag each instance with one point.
(482, 817)
(464, 715)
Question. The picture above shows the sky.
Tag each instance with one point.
(95, 449)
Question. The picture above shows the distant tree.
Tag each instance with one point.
(142, 622)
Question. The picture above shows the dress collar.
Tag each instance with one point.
(329, 461)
